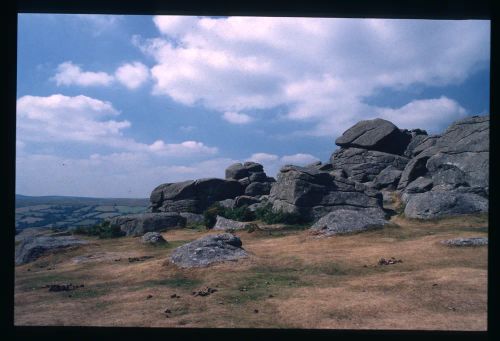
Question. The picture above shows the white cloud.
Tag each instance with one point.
(429, 114)
(132, 75)
(272, 162)
(71, 74)
(59, 118)
(320, 68)
(299, 159)
(237, 118)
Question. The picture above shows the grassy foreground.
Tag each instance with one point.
(292, 280)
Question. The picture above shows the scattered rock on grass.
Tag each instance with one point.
(153, 238)
(138, 259)
(62, 287)
(393, 260)
(473, 241)
(204, 292)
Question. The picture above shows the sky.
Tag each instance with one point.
(115, 105)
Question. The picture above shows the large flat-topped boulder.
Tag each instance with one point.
(139, 224)
(33, 247)
(364, 165)
(345, 221)
(376, 134)
(208, 250)
(312, 193)
(193, 196)
(438, 204)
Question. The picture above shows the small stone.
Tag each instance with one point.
(256, 311)
(29, 270)
(149, 296)
(167, 311)
(270, 296)
(435, 284)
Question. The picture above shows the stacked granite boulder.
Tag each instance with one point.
(449, 174)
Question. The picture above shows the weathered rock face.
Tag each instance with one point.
(377, 134)
(228, 224)
(139, 224)
(345, 221)
(364, 165)
(153, 238)
(33, 247)
(192, 218)
(207, 250)
(193, 196)
(387, 178)
(252, 177)
(472, 241)
(437, 204)
(458, 158)
(311, 193)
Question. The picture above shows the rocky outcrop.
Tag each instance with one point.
(344, 221)
(363, 165)
(153, 238)
(312, 193)
(208, 250)
(192, 218)
(139, 224)
(193, 196)
(252, 177)
(376, 134)
(227, 224)
(438, 204)
(33, 247)
(458, 158)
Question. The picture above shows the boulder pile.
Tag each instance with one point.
(433, 175)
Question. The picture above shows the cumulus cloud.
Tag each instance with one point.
(432, 115)
(321, 69)
(237, 118)
(71, 74)
(59, 118)
(132, 75)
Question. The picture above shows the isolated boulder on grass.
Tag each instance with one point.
(208, 250)
(343, 221)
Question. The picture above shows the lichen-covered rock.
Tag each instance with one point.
(376, 134)
(33, 247)
(258, 188)
(243, 200)
(193, 196)
(193, 218)
(312, 193)
(437, 204)
(229, 224)
(139, 224)
(208, 250)
(343, 221)
(457, 158)
(387, 178)
(471, 241)
(153, 238)
(364, 165)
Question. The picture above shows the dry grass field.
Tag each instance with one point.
(292, 280)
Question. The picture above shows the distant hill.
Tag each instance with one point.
(64, 211)
(26, 200)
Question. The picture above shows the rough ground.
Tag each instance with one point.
(292, 279)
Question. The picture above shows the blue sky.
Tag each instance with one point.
(112, 106)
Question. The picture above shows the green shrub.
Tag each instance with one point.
(240, 214)
(211, 213)
(267, 215)
(102, 230)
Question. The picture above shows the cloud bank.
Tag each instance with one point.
(320, 69)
